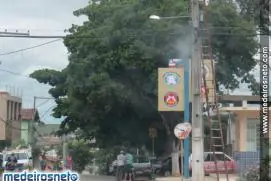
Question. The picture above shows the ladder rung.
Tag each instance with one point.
(218, 145)
(216, 121)
(216, 137)
(215, 129)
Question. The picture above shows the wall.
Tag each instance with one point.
(241, 127)
(10, 107)
(3, 115)
(24, 131)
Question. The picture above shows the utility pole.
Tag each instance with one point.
(33, 131)
(197, 124)
(33, 141)
(65, 150)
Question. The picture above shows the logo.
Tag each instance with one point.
(171, 99)
(182, 130)
(171, 78)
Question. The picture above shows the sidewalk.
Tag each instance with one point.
(207, 178)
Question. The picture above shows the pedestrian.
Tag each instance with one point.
(43, 162)
(69, 162)
(120, 165)
(129, 159)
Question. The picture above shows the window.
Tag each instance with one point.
(209, 158)
(22, 156)
(11, 111)
(16, 111)
(220, 157)
(141, 159)
(253, 135)
(19, 156)
(8, 113)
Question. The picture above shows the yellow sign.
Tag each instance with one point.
(170, 89)
(152, 133)
(210, 84)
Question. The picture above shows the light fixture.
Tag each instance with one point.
(154, 17)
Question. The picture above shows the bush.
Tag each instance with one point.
(252, 174)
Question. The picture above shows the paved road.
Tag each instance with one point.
(96, 178)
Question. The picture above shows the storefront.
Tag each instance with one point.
(246, 127)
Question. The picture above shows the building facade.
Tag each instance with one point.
(244, 127)
(10, 126)
(27, 125)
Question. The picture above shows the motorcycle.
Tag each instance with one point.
(10, 166)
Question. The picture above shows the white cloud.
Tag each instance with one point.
(43, 17)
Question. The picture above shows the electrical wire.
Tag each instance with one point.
(29, 48)
(14, 73)
(89, 37)
(44, 102)
(60, 38)
(45, 112)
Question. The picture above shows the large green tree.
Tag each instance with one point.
(109, 88)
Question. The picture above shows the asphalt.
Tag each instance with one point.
(88, 177)
(207, 178)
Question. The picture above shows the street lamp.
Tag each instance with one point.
(186, 147)
(155, 17)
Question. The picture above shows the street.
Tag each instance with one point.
(96, 178)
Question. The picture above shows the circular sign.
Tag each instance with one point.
(171, 78)
(152, 132)
(182, 130)
(171, 99)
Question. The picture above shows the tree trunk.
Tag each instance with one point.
(175, 159)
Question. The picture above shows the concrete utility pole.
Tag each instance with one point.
(33, 131)
(33, 141)
(197, 124)
(65, 150)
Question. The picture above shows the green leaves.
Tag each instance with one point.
(109, 89)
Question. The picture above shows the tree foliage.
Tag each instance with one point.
(109, 88)
(81, 155)
(256, 11)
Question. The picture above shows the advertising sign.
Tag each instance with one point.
(170, 89)
(210, 88)
(182, 130)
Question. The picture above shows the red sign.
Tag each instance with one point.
(171, 99)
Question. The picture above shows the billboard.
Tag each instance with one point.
(210, 84)
(171, 89)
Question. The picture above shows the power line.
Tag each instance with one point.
(89, 37)
(45, 112)
(44, 102)
(36, 46)
(60, 38)
(14, 73)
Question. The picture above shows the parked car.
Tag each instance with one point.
(164, 167)
(24, 159)
(142, 168)
(209, 163)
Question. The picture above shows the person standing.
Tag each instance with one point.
(43, 163)
(69, 162)
(129, 159)
(120, 165)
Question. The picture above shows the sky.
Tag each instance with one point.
(40, 17)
